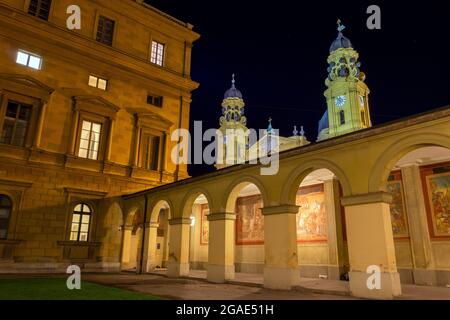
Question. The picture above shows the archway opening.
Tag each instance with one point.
(419, 183)
(246, 201)
(199, 233)
(132, 242)
(159, 246)
(320, 226)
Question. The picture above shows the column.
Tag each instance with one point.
(422, 255)
(73, 131)
(151, 235)
(221, 247)
(109, 139)
(40, 124)
(281, 270)
(371, 245)
(336, 250)
(178, 265)
(126, 244)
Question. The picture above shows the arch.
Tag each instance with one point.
(189, 200)
(232, 192)
(296, 177)
(131, 210)
(156, 207)
(391, 155)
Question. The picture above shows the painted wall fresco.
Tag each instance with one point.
(312, 216)
(438, 192)
(249, 220)
(398, 211)
(204, 232)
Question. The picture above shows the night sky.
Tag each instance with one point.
(278, 51)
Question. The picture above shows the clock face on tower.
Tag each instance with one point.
(340, 101)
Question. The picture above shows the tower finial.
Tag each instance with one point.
(233, 81)
(295, 132)
(269, 128)
(302, 132)
(341, 27)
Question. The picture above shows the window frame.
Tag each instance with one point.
(146, 165)
(163, 55)
(155, 97)
(50, 9)
(97, 25)
(97, 80)
(80, 223)
(103, 121)
(32, 124)
(29, 54)
(8, 220)
(341, 117)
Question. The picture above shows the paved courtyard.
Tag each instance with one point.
(244, 287)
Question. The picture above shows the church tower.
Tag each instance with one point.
(347, 94)
(233, 128)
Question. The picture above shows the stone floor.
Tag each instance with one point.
(243, 287)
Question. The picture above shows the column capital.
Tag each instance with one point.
(367, 198)
(218, 216)
(151, 224)
(177, 221)
(281, 209)
(127, 227)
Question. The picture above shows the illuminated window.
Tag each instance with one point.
(81, 219)
(40, 8)
(29, 59)
(97, 82)
(5, 214)
(89, 140)
(157, 101)
(15, 124)
(157, 56)
(150, 152)
(105, 30)
(342, 117)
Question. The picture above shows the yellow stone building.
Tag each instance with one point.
(85, 178)
(85, 115)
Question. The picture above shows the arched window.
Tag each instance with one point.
(5, 214)
(81, 220)
(342, 117)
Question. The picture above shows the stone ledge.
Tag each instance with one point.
(367, 198)
(220, 216)
(282, 209)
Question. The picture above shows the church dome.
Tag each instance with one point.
(233, 92)
(341, 41)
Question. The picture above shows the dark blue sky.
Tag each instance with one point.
(278, 50)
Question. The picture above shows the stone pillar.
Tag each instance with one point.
(336, 255)
(151, 234)
(371, 243)
(109, 140)
(221, 247)
(178, 265)
(126, 244)
(40, 124)
(422, 255)
(281, 270)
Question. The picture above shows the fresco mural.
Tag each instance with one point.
(249, 220)
(311, 217)
(398, 212)
(204, 232)
(438, 190)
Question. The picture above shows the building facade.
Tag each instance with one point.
(85, 115)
